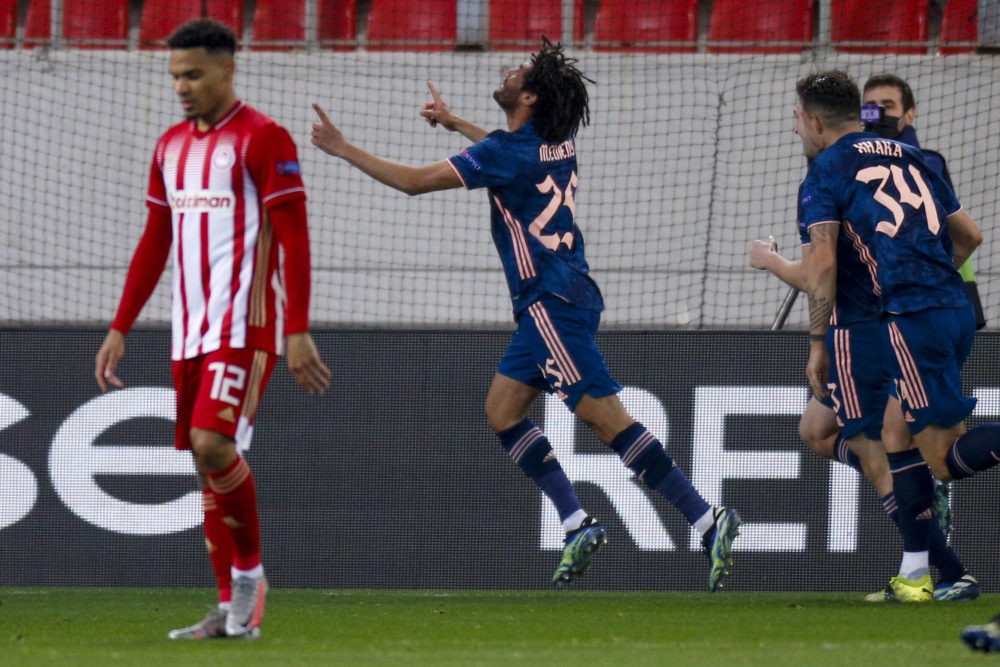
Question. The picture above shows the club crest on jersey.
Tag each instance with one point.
(223, 158)
(287, 168)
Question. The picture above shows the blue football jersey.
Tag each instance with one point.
(893, 208)
(857, 283)
(531, 188)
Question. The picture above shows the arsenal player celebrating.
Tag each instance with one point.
(226, 194)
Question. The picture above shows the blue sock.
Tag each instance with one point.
(940, 555)
(644, 455)
(842, 452)
(533, 454)
(913, 486)
(974, 451)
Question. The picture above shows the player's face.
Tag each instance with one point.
(806, 129)
(509, 90)
(203, 83)
(891, 98)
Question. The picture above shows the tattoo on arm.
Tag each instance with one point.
(822, 289)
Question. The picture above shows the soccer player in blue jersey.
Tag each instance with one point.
(845, 425)
(895, 121)
(530, 172)
(908, 229)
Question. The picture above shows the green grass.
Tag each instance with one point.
(100, 626)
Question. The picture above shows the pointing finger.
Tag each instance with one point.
(434, 92)
(322, 114)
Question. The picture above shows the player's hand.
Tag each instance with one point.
(818, 368)
(112, 350)
(762, 251)
(306, 366)
(437, 112)
(325, 134)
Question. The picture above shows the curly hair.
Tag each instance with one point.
(832, 95)
(214, 36)
(562, 104)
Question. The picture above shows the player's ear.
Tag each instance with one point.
(528, 99)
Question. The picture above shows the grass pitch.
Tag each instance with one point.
(127, 626)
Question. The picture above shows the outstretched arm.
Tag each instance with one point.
(438, 113)
(405, 178)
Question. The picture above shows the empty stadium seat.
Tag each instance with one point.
(519, 26)
(960, 26)
(412, 25)
(162, 17)
(278, 25)
(765, 26)
(872, 27)
(8, 23)
(336, 24)
(84, 25)
(646, 25)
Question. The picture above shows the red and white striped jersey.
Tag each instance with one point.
(228, 288)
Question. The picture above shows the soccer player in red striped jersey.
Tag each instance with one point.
(226, 194)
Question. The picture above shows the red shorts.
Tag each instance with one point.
(220, 392)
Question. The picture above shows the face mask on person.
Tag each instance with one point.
(874, 118)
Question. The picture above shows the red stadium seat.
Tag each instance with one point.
(960, 26)
(646, 25)
(84, 25)
(869, 27)
(516, 25)
(337, 24)
(412, 25)
(162, 17)
(278, 25)
(765, 26)
(8, 23)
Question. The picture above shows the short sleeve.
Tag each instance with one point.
(487, 163)
(273, 163)
(817, 202)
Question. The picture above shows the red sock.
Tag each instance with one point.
(219, 542)
(236, 495)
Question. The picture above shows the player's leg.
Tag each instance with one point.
(507, 403)
(926, 353)
(218, 539)
(233, 382)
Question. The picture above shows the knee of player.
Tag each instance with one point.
(819, 441)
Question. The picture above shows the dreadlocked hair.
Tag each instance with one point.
(562, 104)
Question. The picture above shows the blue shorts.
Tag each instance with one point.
(926, 351)
(859, 378)
(554, 350)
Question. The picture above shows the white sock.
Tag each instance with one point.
(574, 521)
(254, 572)
(705, 522)
(914, 564)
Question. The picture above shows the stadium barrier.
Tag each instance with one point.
(392, 479)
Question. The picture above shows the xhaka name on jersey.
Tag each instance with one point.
(879, 148)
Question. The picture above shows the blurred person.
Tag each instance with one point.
(530, 172)
(225, 192)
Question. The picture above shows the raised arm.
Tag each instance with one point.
(405, 178)
(438, 113)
